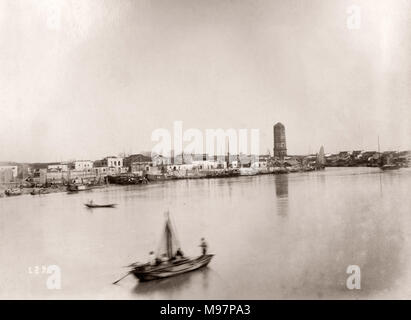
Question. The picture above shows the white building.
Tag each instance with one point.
(83, 165)
(209, 164)
(12, 168)
(110, 166)
(58, 167)
(159, 160)
(259, 164)
(101, 171)
(114, 162)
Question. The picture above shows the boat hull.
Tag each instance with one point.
(147, 272)
(99, 205)
(390, 167)
(12, 192)
(79, 187)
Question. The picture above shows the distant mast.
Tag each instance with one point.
(320, 163)
(380, 159)
(378, 144)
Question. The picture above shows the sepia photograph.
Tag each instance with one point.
(205, 150)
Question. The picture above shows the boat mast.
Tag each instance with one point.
(380, 161)
(378, 144)
(169, 243)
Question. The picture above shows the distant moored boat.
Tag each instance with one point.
(12, 192)
(77, 187)
(390, 167)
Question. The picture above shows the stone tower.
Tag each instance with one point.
(280, 147)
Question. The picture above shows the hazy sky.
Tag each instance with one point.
(85, 79)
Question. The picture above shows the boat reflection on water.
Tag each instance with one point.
(172, 287)
(281, 191)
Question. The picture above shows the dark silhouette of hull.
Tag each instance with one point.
(147, 272)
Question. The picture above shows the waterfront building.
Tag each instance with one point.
(14, 170)
(113, 164)
(6, 175)
(83, 165)
(58, 167)
(280, 147)
(56, 177)
(260, 166)
(160, 160)
(209, 164)
(140, 167)
(40, 176)
(84, 176)
(135, 158)
(101, 171)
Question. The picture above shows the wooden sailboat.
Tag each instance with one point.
(169, 260)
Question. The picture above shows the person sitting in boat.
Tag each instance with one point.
(152, 259)
(164, 258)
(179, 253)
(203, 246)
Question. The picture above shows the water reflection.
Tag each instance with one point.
(281, 191)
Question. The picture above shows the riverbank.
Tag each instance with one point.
(216, 174)
(43, 191)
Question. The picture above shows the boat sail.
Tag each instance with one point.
(169, 243)
(170, 260)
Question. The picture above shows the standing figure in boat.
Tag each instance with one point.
(203, 246)
(169, 259)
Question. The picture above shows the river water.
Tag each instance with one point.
(274, 237)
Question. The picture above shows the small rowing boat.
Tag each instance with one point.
(92, 205)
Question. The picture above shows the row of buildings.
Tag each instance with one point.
(138, 165)
(358, 158)
(185, 165)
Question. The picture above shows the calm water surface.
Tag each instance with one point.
(274, 236)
